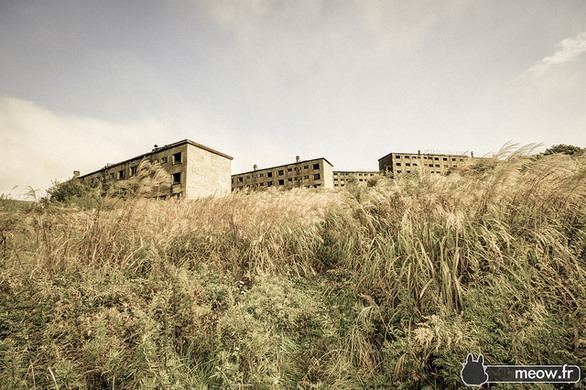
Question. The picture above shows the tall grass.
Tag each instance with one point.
(386, 286)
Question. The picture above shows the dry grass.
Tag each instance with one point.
(386, 286)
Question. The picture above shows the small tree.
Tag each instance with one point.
(73, 191)
(563, 149)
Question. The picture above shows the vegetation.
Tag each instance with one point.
(387, 286)
(564, 149)
(149, 179)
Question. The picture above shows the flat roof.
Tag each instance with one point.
(284, 165)
(424, 154)
(356, 172)
(162, 148)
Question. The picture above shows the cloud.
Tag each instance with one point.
(38, 146)
(570, 50)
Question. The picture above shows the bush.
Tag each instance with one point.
(388, 286)
(563, 149)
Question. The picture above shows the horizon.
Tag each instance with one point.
(95, 82)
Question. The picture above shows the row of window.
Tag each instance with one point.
(281, 182)
(270, 184)
(344, 180)
(355, 174)
(430, 158)
(409, 171)
(425, 165)
(122, 173)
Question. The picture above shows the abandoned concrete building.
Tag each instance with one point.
(397, 163)
(194, 170)
(315, 173)
(342, 178)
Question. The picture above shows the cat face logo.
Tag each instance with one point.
(474, 372)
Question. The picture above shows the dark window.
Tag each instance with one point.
(408, 164)
(281, 182)
(290, 179)
(261, 174)
(132, 171)
(120, 175)
(177, 158)
(290, 170)
(453, 159)
(163, 160)
(445, 159)
(316, 166)
(316, 176)
(398, 164)
(269, 183)
(436, 158)
(437, 165)
(305, 166)
(177, 178)
(281, 172)
(240, 179)
(269, 174)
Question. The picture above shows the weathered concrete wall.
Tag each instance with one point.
(207, 174)
(341, 178)
(315, 173)
(415, 162)
(124, 171)
(328, 175)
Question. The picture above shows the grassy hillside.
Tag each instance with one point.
(388, 286)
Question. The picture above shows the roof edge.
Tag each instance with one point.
(159, 149)
(284, 165)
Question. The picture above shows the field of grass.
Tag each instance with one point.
(388, 286)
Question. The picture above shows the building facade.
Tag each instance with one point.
(193, 170)
(342, 178)
(316, 173)
(397, 163)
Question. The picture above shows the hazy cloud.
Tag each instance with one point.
(570, 50)
(39, 146)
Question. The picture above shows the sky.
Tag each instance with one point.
(85, 83)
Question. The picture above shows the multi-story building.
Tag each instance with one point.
(316, 173)
(194, 170)
(341, 178)
(397, 163)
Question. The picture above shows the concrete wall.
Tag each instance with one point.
(202, 172)
(112, 172)
(207, 174)
(328, 175)
(298, 174)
